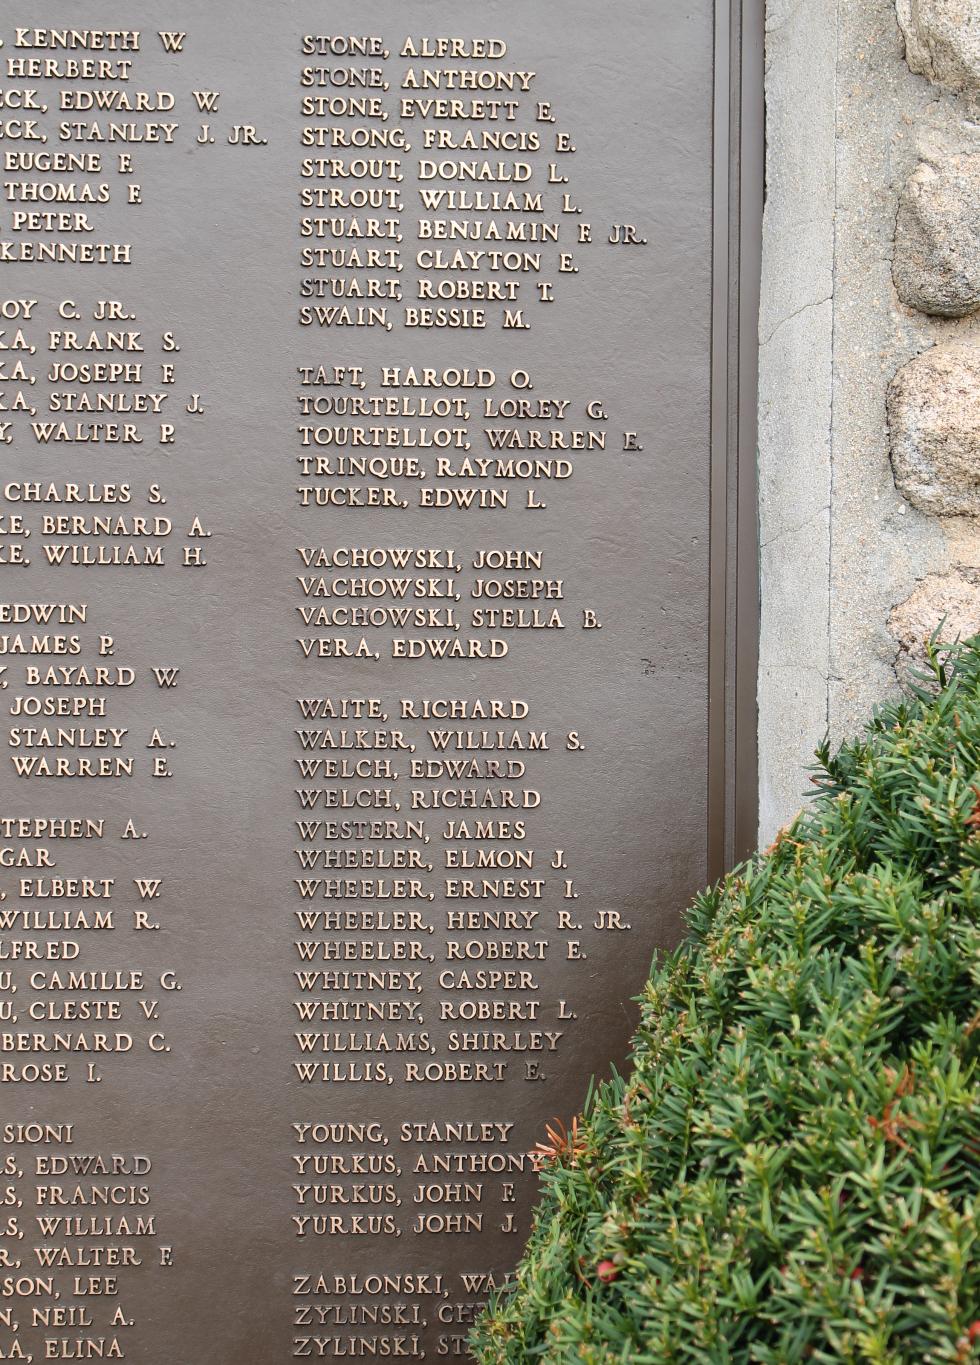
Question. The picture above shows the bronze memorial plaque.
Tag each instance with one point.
(370, 525)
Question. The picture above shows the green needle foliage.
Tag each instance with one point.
(791, 1169)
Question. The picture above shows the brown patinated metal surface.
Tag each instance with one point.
(376, 632)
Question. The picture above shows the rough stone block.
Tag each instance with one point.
(934, 430)
(936, 266)
(950, 600)
(942, 41)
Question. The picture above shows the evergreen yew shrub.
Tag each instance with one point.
(790, 1171)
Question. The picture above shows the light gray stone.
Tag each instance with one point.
(936, 267)
(846, 127)
(942, 41)
(945, 602)
(934, 428)
(795, 400)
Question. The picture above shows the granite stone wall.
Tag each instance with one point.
(869, 457)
